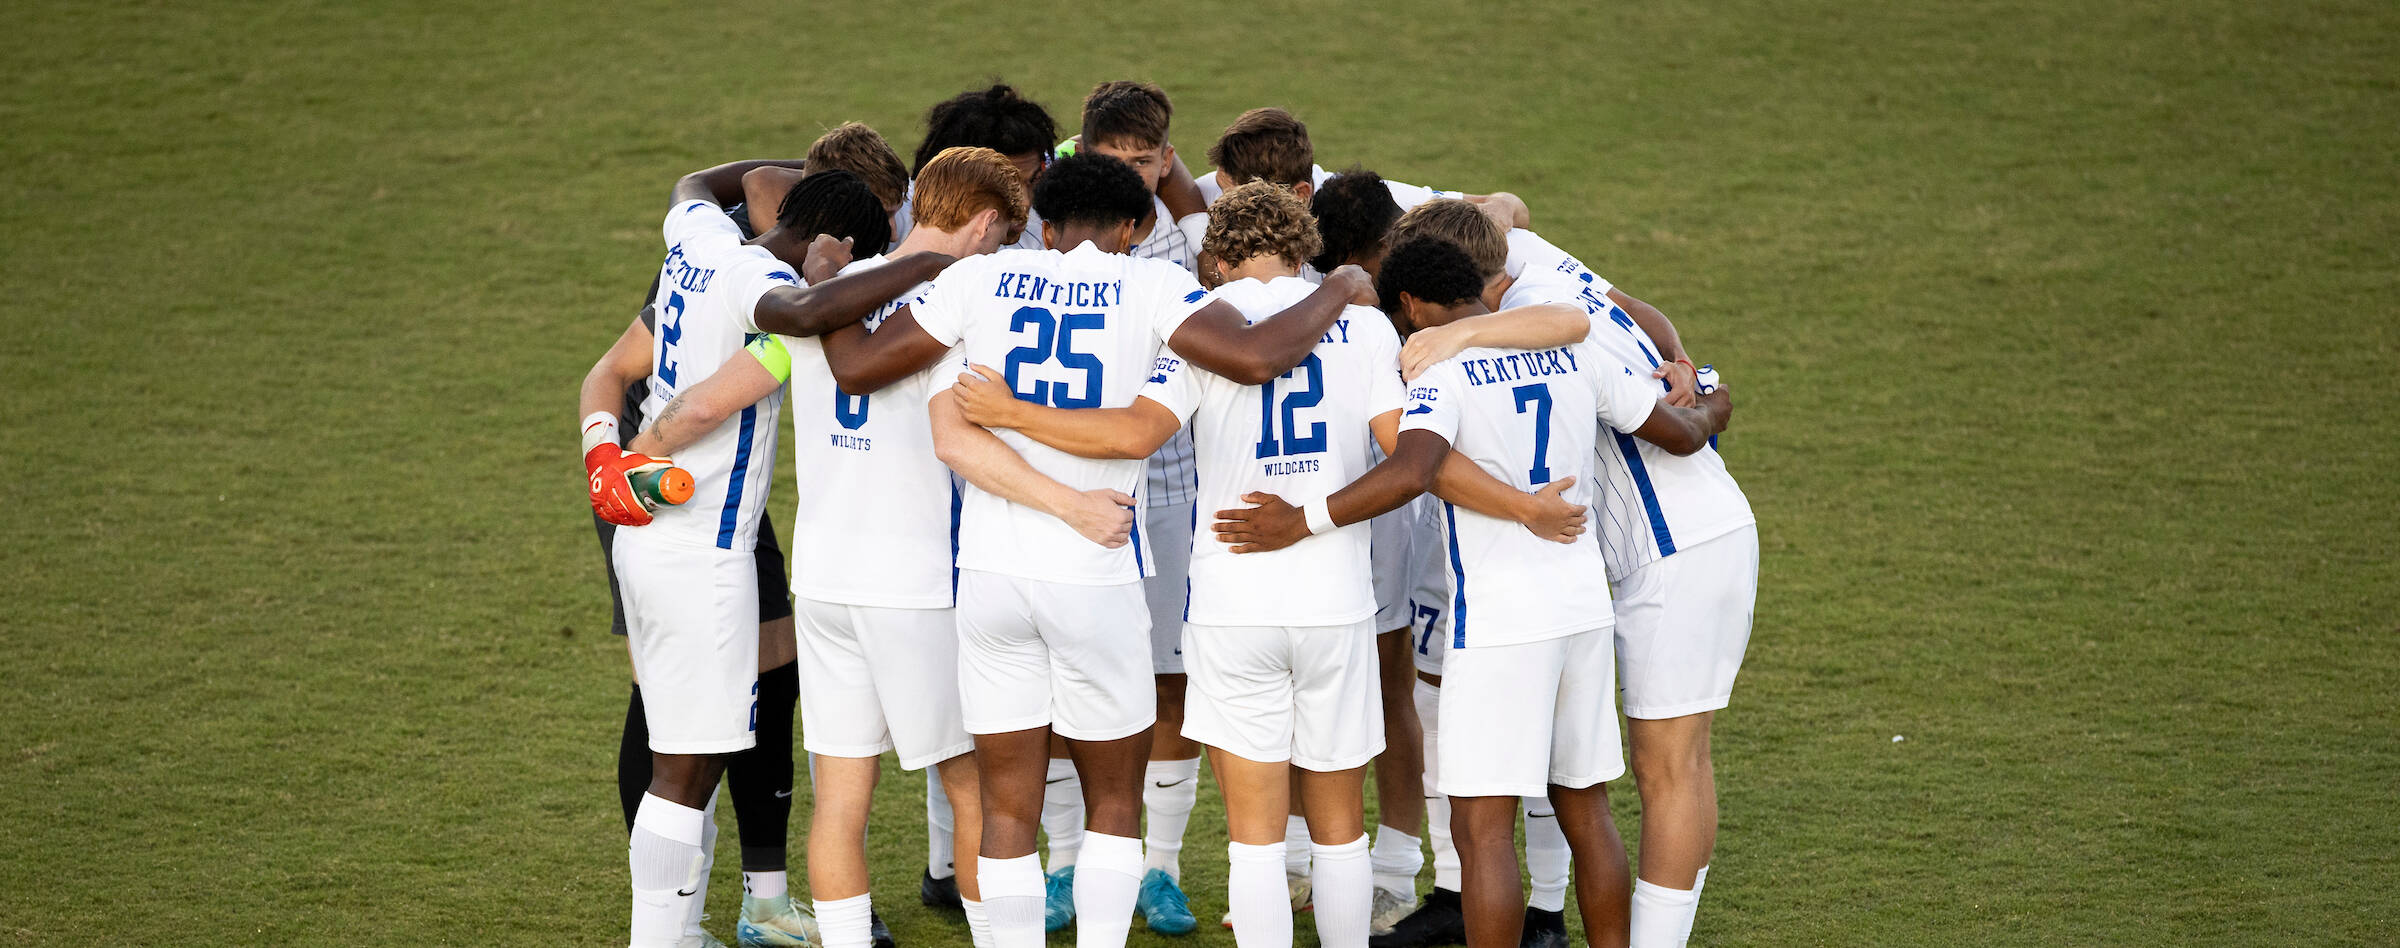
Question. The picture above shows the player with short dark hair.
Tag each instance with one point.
(1354, 213)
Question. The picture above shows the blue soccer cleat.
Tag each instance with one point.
(1060, 908)
(1163, 906)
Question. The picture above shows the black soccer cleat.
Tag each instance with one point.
(939, 893)
(1438, 921)
(878, 931)
(1544, 929)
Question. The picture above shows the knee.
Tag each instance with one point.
(1670, 768)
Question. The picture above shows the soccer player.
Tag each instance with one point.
(1280, 645)
(1129, 121)
(1051, 618)
(1270, 144)
(853, 147)
(688, 578)
(876, 632)
(1681, 547)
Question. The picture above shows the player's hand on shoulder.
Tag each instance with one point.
(1427, 347)
(1102, 516)
(1683, 389)
(826, 258)
(610, 469)
(1270, 525)
(1547, 514)
(1352, 277)
(984, 399)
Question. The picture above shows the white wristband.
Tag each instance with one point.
(1320, 518)
(599, 428)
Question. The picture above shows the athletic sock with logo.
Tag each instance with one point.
(1062, 813)
(1170, 788)
(1256, 897)
(941, 853)
(1108, 877)
(760, 779)
(1396, 860)
(1546, 856)
(666, 860)
(1342, 884)
(846, 923)
(1013, 899)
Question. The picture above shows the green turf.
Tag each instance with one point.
(2063, 335)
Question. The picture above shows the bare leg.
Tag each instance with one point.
(958, 777)
(1678, 785)
(1400, 769)
(1009, 770)
(837, 826)
(1493, 894)
(1603, 886)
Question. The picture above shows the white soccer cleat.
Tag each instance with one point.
(1389, 908)
(774, 923)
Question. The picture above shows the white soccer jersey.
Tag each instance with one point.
(1078, 329)
(708, 293)
(1170, 477)
(877, 512)
(1650, 502)
(1299, 437)
(1406, 195)
(1527, 418)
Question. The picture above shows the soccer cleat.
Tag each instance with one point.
(1439, 921)
(939, 893)
(1544, 929)
(774, 923)
(699, 940)
(1301, 897)
(1163, 906)
(878, 933)
(1059, 903)
(1389, 908)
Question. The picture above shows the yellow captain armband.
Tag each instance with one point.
(768, 349)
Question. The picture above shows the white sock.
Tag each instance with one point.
(665, 857)
(766, 885)
(979, 924)
(1295, 846)
(1108, 877)
(1012, 900)
(1546, 856)
(1062, 813)
(1396, 859)
(1662, 917)
(1169, 790)
(1437, 807)
(1256, 897)
(1342, 885)
(708, 865)
(941, 854)
(1699, 882)
(845, 923)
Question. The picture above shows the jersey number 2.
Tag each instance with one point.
(1294, 399)
(1054, 341)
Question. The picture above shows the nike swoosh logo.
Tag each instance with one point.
(686, 892)
(1175, 783)
(1059, 780)
(783, 794)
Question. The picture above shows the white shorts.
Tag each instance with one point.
(1517, 719)
(875, 679)
(1683, 623)
(1308, 694)
(691, 623)
(1389, 557)
(1169, 593)
(1429, 600)
(1034, 653)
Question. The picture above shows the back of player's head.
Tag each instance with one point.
(1433, 270)
(1354, 211)
(960, 183)
(1460, 223)
(860, 150)
(1091, 189)
(1126, 114)
(1260, 218)
(996, 118)
(1264, 145)
(836, 202)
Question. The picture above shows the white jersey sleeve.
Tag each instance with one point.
(704, 228)
(1175, 385)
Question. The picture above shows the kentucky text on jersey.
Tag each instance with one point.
(681, 273)
(1026, 286)
(1510, 368)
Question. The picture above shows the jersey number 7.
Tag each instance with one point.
(1537, 395)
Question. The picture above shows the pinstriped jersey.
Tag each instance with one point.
(1648, 502)
(705, 305)
(1171, 477)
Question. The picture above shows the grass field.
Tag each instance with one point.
(2064, 335)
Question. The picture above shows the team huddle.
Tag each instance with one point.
(1102, 465)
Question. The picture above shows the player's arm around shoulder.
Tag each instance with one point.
(1220, 339)
(1539, 326)
(747, 376)
(1133, 432)
(814, 310)
(1103, 516)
